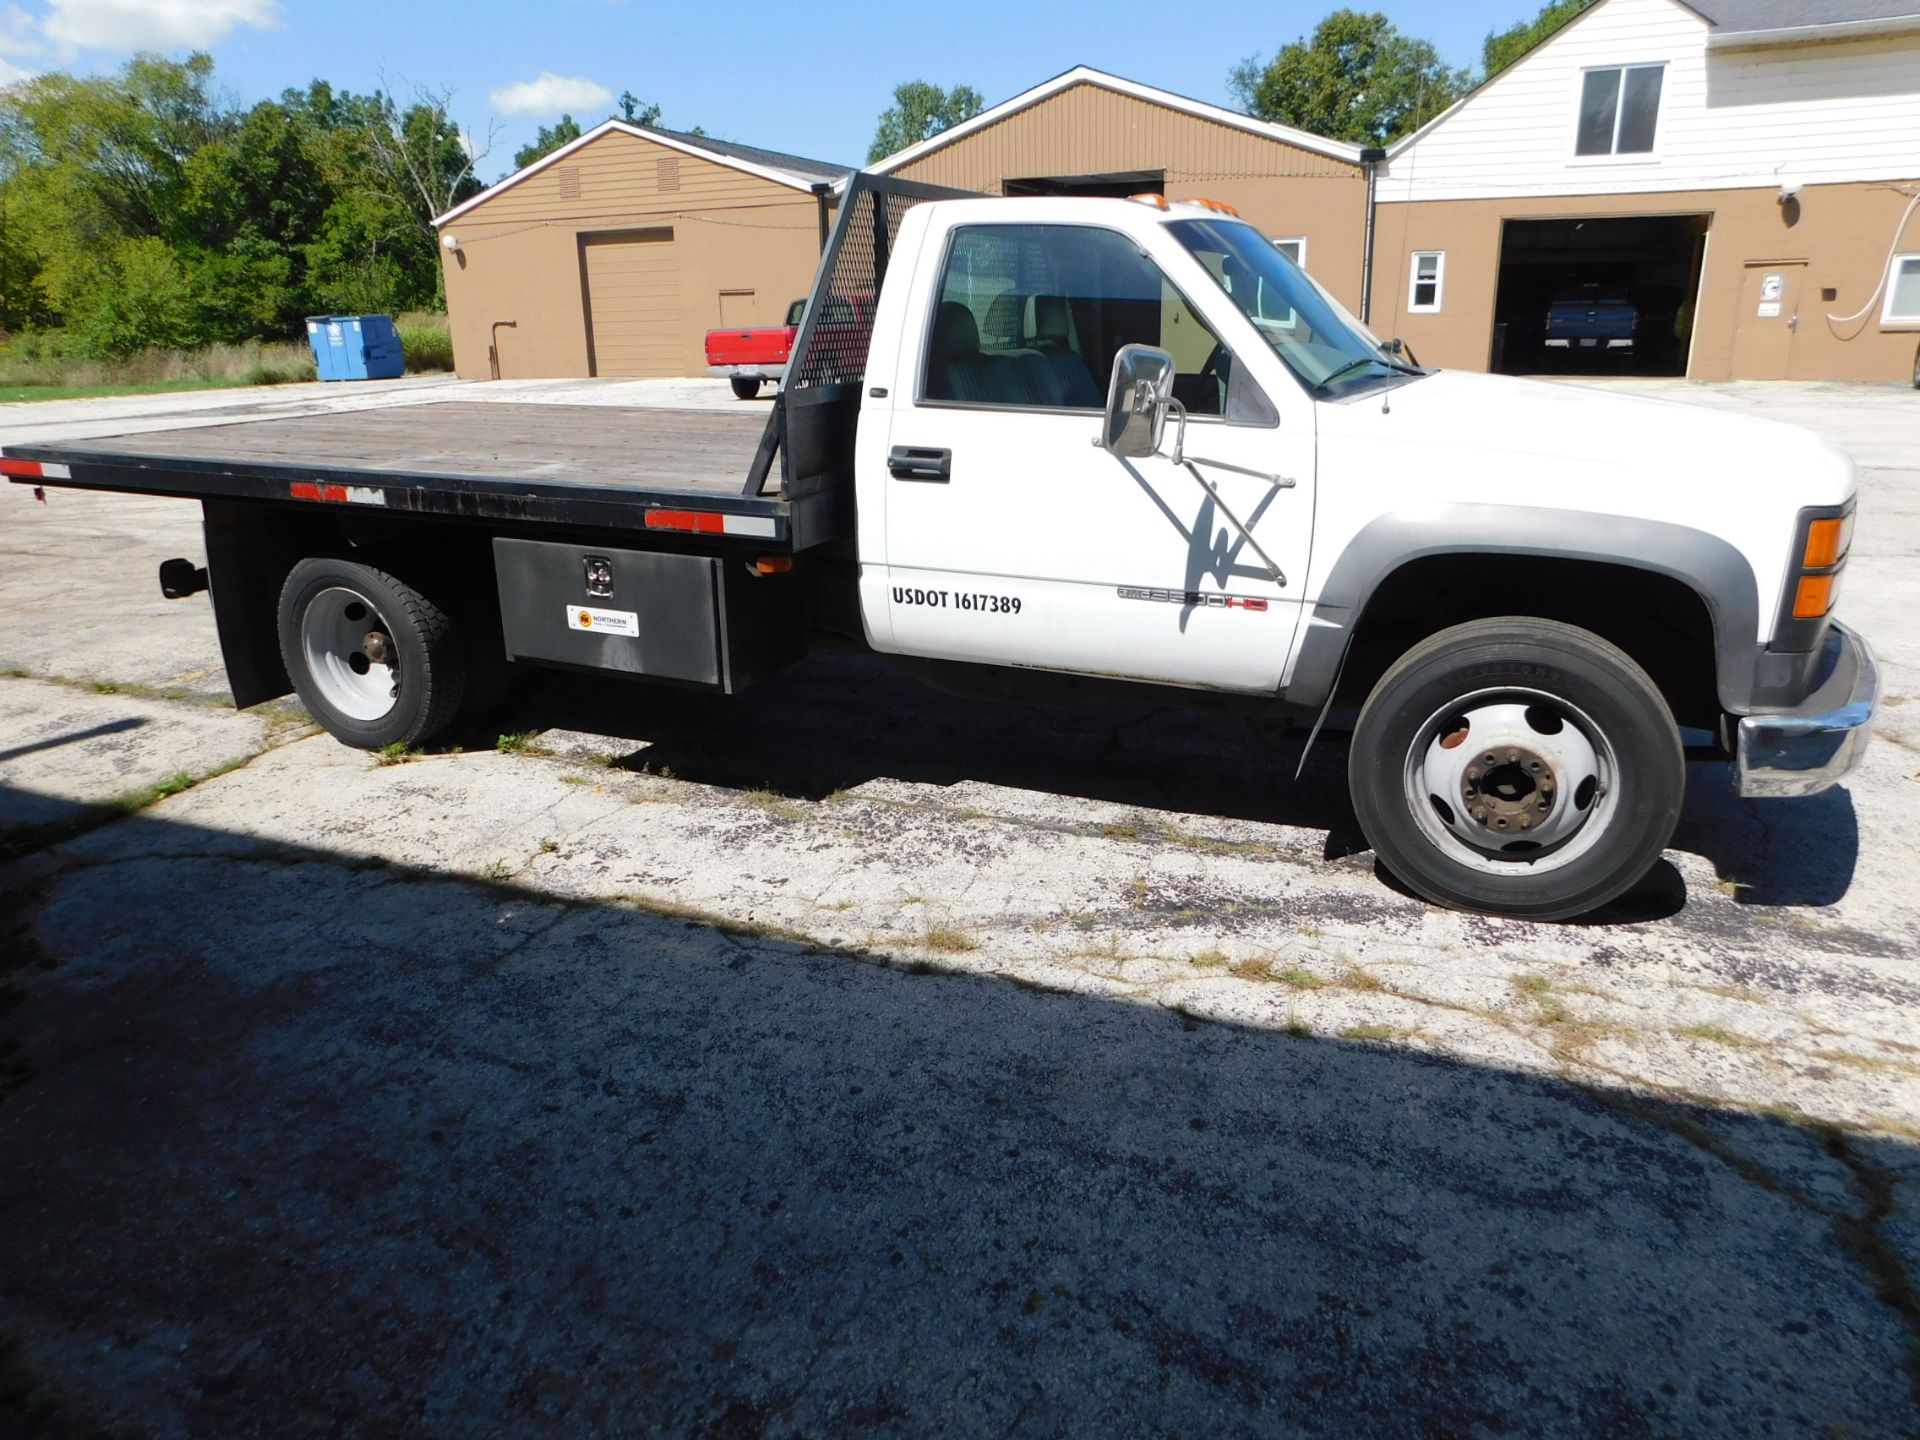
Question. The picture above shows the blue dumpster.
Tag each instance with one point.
(355, 347)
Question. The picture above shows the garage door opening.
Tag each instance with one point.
(1116, 186)
(1612, 296)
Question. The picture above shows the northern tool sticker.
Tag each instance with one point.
(603, 622)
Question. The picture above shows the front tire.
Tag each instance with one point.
(1519, 767)
(744, 388)
(373, 659)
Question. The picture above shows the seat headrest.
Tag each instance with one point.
(1050, 317)
(954, 331)
(1004, 316)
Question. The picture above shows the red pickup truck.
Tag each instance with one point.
(750, 358)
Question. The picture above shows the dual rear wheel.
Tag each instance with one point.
(380, 661)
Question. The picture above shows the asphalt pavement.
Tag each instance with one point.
(868, 1061)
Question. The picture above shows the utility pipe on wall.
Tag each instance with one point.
(1371, 159)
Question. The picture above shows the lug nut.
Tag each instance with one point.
(1526, 822)
(1473, 775)
(1480, 816)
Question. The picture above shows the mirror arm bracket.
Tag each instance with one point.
(1191, 464)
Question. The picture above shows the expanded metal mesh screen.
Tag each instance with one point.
(840, 322)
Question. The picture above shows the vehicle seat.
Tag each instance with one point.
(956, 370)
(1057, 371)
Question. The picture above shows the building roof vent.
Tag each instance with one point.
(569, 179)
(668, 172)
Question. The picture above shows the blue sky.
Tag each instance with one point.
(810, 79)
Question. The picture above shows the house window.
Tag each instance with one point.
(1903, 292)
(1429, 275)
(1294, 247)
(1619, 107)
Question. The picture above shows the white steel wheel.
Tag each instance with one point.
(375, 660)
(350, 653)
(1506, 778)
(1517, 766)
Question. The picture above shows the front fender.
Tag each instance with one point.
(1706, 564)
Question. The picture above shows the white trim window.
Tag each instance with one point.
(1903, 292)
(1294, 247)
(1427, 281)
(1619, 110)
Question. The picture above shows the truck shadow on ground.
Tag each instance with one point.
(366, 1150)
(840, 720)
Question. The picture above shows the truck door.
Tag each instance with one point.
(1012, 539)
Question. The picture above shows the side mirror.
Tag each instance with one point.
(1137, 401)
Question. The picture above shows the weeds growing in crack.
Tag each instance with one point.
(1372, 1030)
(1720, 1035)
(775, 804)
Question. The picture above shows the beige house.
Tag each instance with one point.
(616, 253)
(1090, 133)
(1742, 171)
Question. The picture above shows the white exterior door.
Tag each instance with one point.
(1011, 538)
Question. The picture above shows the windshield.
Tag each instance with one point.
(795, 311)
(1307, 328)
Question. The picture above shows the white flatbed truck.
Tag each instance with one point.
(1070, 444)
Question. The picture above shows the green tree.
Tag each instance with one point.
(136, 295)
(1503, 47)
(636, 111)
(551, 137)
(919, 112)
(1356, 79)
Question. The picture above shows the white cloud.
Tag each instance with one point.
(19, 32)
(12, 74)
(549, 94)
(123, 25)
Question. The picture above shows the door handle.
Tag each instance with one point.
(910, 462)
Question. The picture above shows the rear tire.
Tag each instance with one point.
(374, 660)
(1519, 767)
(744, 388)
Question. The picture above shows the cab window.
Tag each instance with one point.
(1031, 316)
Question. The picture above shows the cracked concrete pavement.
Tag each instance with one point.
(664, 1075)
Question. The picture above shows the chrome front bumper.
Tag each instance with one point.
(1804, 750)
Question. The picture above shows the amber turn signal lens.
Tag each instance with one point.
(1823, 543)
(773, 564)
(1814, 597)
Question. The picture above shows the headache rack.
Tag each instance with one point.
(812, 424)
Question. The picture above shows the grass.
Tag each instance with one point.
(949, 940)
(425, 343)
(1210, 959)
(1720, 1035)
(549, 845)
(1128, 829)
(775, 804)
(398, 753)
(1297, 977)
(521, 742)
(1371, 1031)
(35, 371)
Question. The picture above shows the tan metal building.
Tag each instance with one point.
(1090, 133)
(616, 253)
(1743, 172)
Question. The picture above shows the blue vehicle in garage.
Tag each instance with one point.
(1591, 318)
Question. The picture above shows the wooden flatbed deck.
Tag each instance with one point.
(602, 466)
(697, 451)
